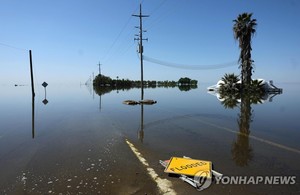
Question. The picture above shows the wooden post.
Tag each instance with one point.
(31, 73)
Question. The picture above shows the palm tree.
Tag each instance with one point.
(230, 83)
(244, 29)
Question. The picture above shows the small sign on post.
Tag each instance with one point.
(44, 84)
(45, 101)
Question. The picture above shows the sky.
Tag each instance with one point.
(68, 39)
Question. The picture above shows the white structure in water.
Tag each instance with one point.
(269, 87)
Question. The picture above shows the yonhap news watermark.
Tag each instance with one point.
(255, 180)
(202, 182)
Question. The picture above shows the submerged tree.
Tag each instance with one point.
(244, 28)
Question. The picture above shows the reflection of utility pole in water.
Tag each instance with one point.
(100, 103)
(141, 131)
(117, 84)
(32, 116)
(141, 49)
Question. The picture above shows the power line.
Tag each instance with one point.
(161, 16)
(111, 51)
(108, 53)
(123, 51)
(116, 39)
(157, 7)
(13, 47)
(190, 67)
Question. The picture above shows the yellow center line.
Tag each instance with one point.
(164, 185)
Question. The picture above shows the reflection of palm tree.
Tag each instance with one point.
(241, 149)
(229, 101)
(257, 92)
(229, 90)
(256, 98)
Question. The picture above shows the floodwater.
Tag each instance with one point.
(70, 140)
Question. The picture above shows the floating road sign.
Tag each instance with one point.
(190, 167)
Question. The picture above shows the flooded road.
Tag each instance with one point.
(76, 142)
(72, 152)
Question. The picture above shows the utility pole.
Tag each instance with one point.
(141, 49)
(33, 93)
(99, 68)
(31, 74)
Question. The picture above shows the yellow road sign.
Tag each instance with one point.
(190, 167)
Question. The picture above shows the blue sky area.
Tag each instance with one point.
(68, 38)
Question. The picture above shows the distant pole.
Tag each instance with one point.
(141, 49)
(31, 73)
(99, 68)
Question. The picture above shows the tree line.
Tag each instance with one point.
(102, 80)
